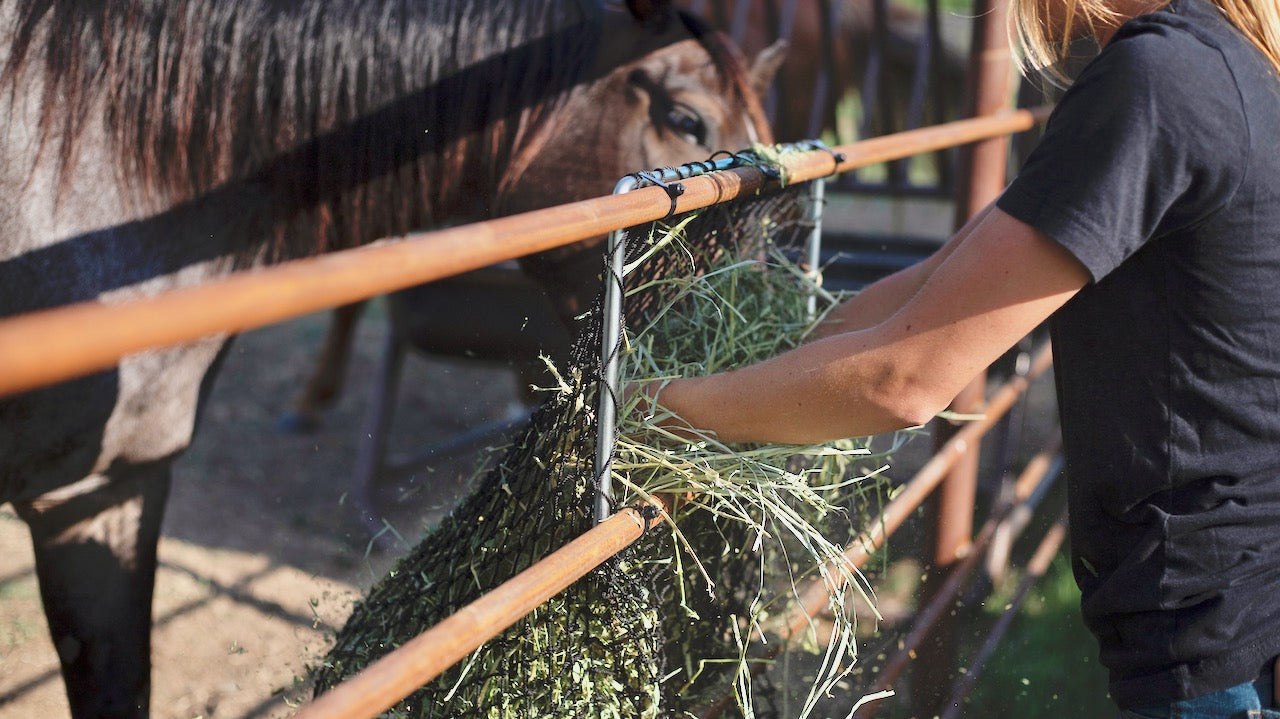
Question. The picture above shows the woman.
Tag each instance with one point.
(1146, 227)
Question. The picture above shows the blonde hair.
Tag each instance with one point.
(1043, 48)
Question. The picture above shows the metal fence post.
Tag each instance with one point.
(950, 512)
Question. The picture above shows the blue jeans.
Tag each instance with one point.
(1251, 700)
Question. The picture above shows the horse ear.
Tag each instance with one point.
(765, 67)
(651, 11)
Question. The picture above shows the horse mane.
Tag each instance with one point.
(359, 117)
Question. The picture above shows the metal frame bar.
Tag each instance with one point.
(668, 178)
(611, 333)
(818, 201)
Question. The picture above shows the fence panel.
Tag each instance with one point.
(61, 343)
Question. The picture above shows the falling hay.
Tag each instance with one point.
(672, 624)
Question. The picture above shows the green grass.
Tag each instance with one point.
(1047, 665)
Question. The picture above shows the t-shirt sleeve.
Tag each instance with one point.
(1150, 139)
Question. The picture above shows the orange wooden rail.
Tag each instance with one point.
(398, 674)
(57, 344)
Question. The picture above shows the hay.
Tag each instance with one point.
(779, 511)
(672, 624)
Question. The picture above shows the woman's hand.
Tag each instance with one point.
(643, 415)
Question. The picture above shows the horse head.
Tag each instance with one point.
(668, 90)
(665, 89)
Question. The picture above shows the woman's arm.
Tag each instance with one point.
(991, 286)
(876, 302)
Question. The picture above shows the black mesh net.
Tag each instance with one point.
(638, 637)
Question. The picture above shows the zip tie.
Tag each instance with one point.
(673, 189)
(769, 170)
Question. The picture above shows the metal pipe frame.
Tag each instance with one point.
(611, 333)
(817, 204)
(669, 179)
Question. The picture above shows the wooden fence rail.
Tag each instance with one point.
(57, 344)
(398, 674)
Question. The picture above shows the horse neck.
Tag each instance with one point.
(361, 119)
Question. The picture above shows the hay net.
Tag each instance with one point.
(668, 627)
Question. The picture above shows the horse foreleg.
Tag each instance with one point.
(325, 384)
(95, 549)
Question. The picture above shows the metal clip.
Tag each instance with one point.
(838, 157)
(673, 189)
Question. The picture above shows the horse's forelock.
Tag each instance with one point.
(734, 71)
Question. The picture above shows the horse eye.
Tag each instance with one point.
(687, 122)
(664, 110)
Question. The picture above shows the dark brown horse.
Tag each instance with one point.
(830, 47)
(564, 279)
(149, 144)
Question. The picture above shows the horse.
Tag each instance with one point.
(553, 286)
(154, 144)
(836, 47)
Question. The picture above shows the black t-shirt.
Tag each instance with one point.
(1160, 172)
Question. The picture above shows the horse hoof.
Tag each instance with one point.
(294, 422)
